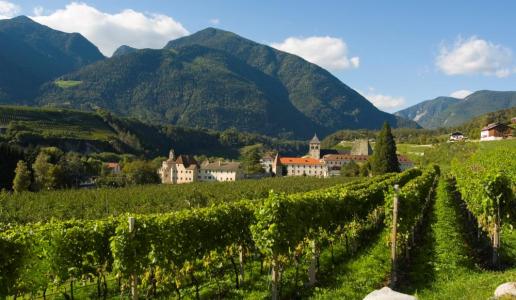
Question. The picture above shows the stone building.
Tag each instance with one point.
(361, 147)
(185, 169)
(315, 148)
(180, 169)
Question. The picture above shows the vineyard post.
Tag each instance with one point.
(241, 261)
(134, 278)
(275, 278)
(393, 236)
(312, 270)
(496, 235)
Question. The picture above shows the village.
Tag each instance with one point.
(322, 163)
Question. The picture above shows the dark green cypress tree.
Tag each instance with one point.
(384, 158)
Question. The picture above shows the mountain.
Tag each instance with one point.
(450, 112)
(31, 54)
(217, 79)
(425, 111)
(124, 49)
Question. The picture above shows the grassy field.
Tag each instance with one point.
(443, 153)
(64, 84)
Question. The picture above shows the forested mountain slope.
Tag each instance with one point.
(31, 54)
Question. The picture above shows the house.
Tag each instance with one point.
(299, 166)
(456, 136)
(405, 163)
(113, 167)
(185, 169)
(513, 120)
(495, 131)
(178, 169)
(266, 163)
(220, 171)
(335, 162)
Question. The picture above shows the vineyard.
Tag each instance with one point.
(144, 199)
(55, 123)
(433, 235)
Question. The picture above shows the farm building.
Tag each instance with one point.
(495, 131)
(456, 136)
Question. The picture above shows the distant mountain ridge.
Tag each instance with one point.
(217, 79)
(426, 110)
(31, 54)
(124, 49)
(450, 112)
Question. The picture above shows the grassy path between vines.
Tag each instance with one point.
(361, 274)
(444, 266)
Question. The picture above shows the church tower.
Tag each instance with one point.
(315, 148)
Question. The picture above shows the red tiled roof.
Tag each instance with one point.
(402, 158)
(299, 161)
(112, 165)
(186, 160)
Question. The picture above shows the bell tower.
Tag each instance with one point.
(315, 148)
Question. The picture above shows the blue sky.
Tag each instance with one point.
(396, 53)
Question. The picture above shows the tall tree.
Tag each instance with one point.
(365, 169)
(21, 182)
(350, 169)
(9, 157)
(47, 175)
(141, 172)
(251, 156)
(384, 158)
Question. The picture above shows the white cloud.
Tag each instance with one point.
(461, 94)
(328, 52)
(475, 56)
(38, 10)
(383, 102)
(8, 9)
(109, 31)
(215, 21)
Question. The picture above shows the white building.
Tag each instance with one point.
(220, 171)
(180, 169)
(456, 137)
(266, 163)
(185, 169)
